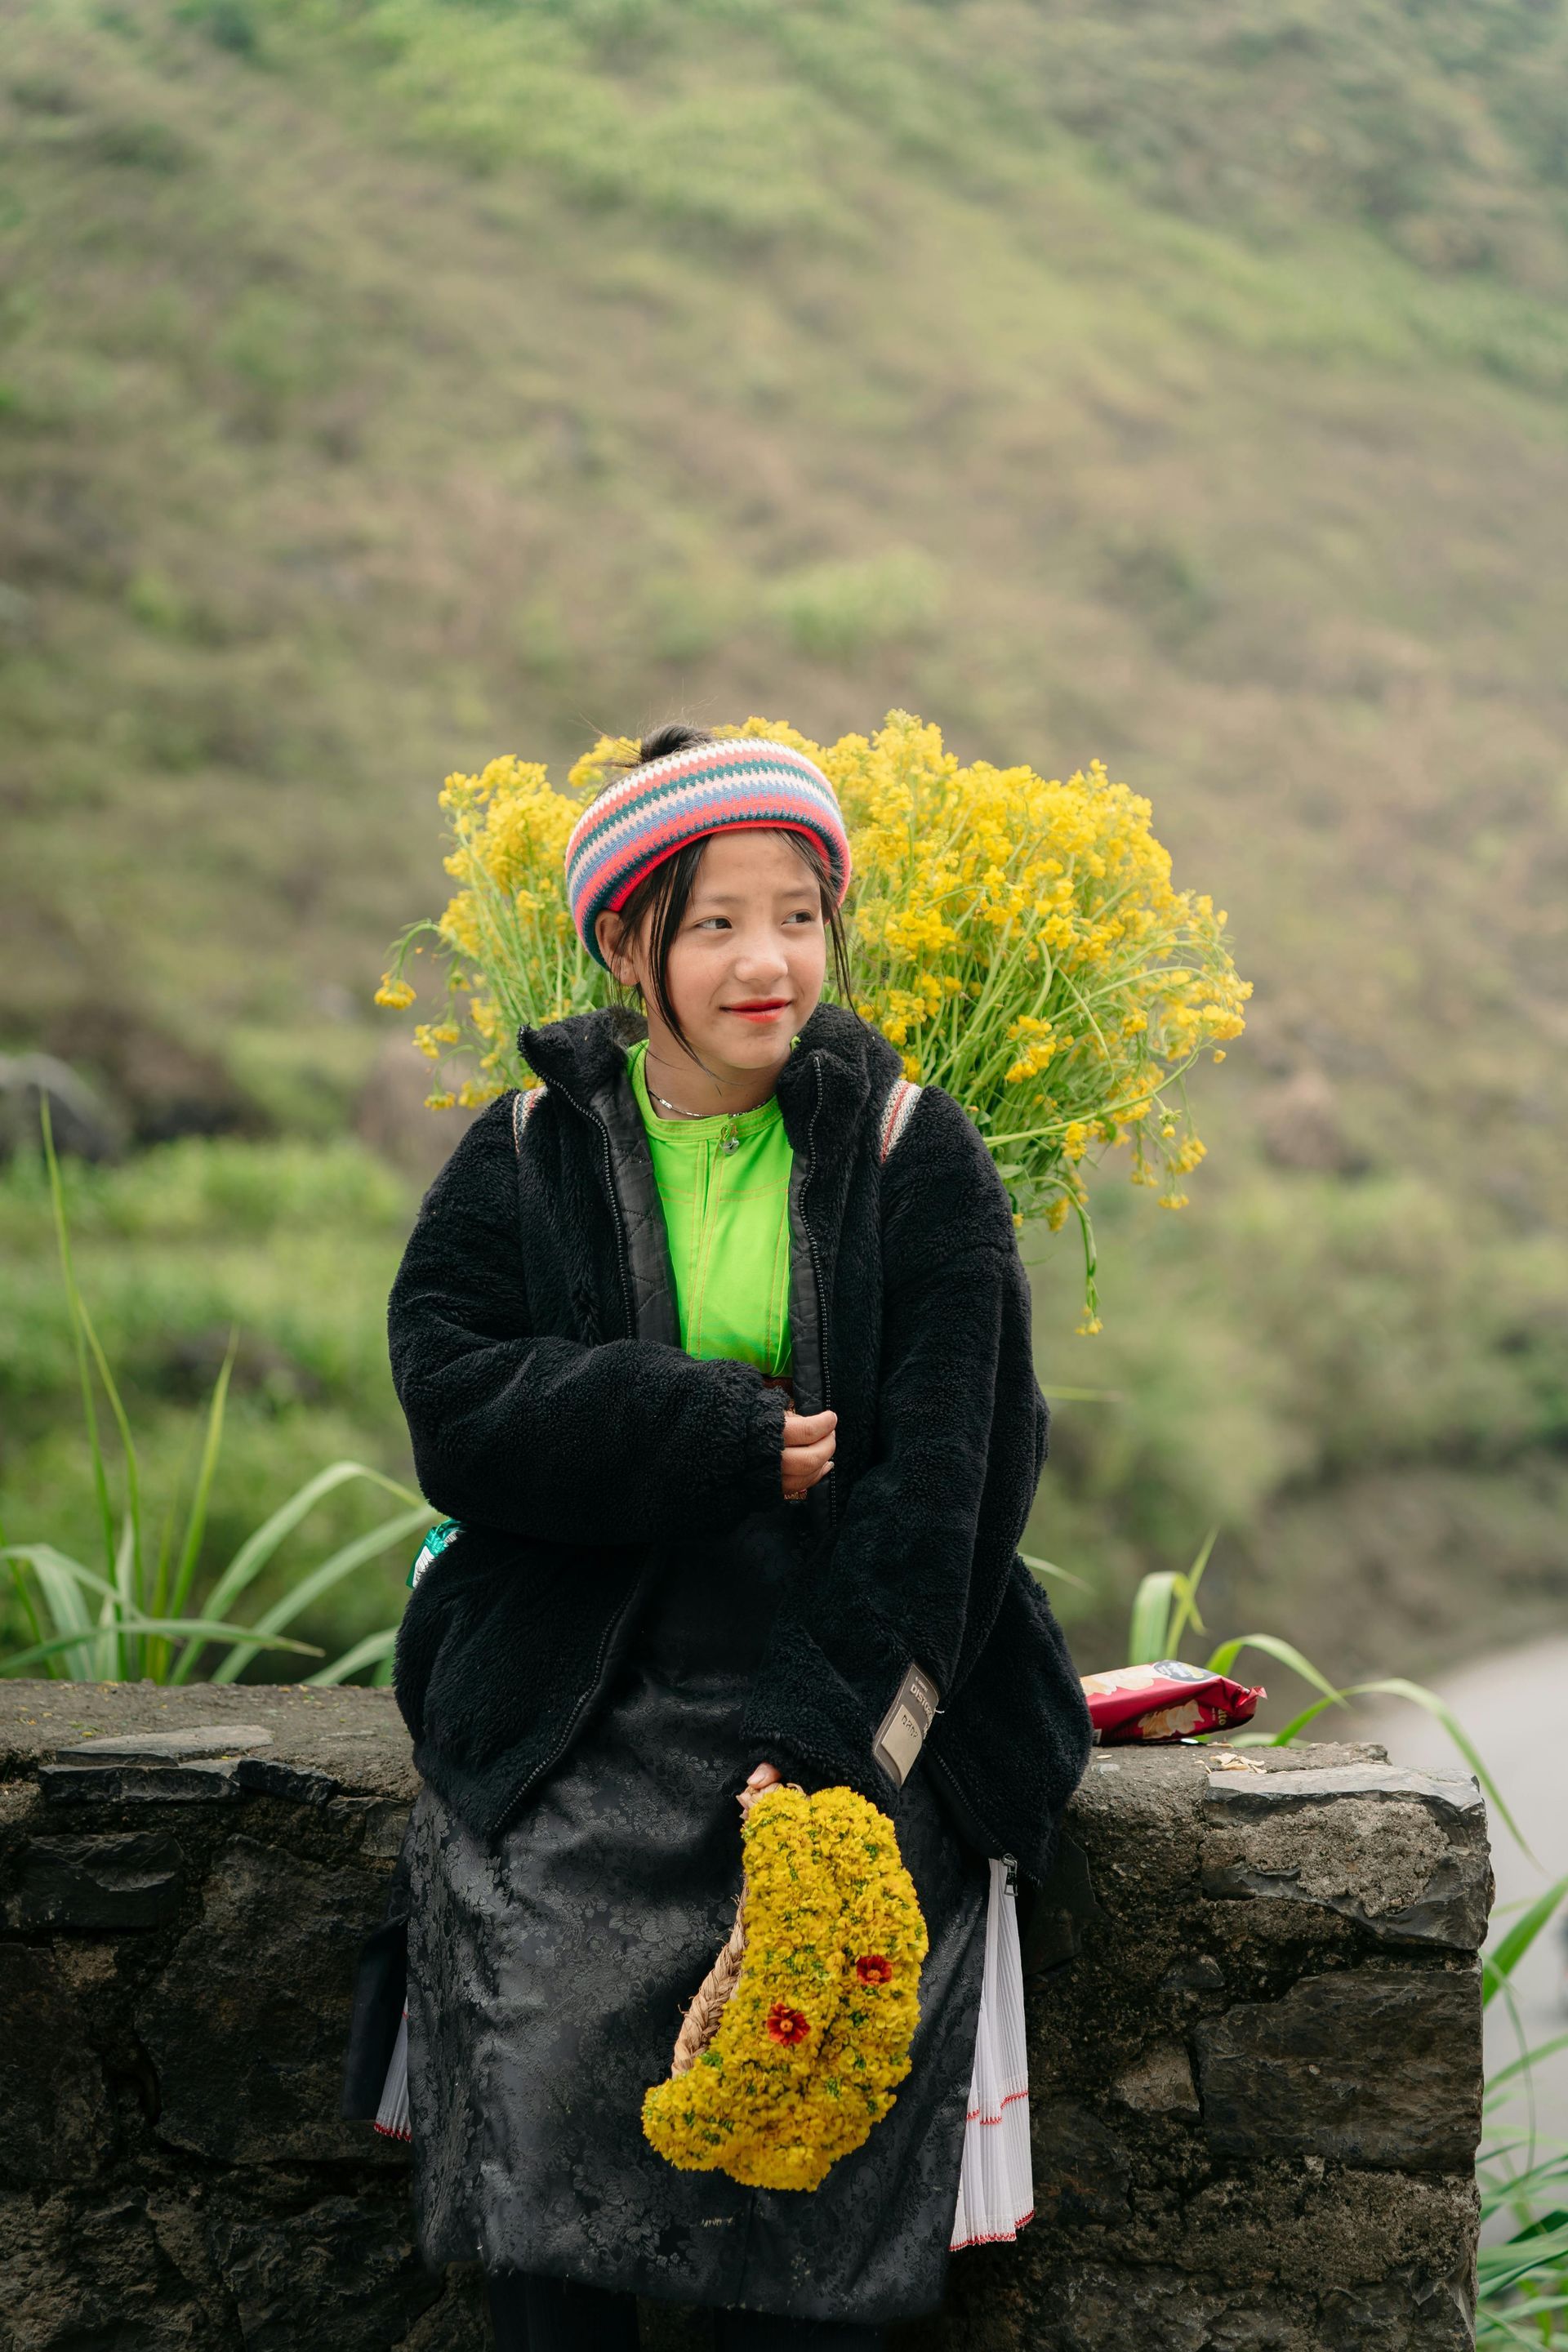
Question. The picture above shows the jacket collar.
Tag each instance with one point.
(839, 1059)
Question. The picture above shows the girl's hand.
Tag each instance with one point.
(808, 1443)
(766, 1776)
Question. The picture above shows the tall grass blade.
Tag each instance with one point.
(1148, 1632)
(118, 1656)
(1223, 1659)
(1497, 1967)
(1049, 1568)
(370, 1652)
(1523, 2065)
(257, 1549)
(45, 1558)
(1187, 1609)
(128, 1451)
(1501, 2266)
(205, 1629)
(310, 1587)
(196, 1520)
(79, 1344)
(61, 1582)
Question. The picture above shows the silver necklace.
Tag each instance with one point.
(730, 1138)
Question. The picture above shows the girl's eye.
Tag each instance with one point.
(712, 923)
(805, 915)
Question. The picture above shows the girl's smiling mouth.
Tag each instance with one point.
(759, 1008)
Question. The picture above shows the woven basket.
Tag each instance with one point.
(702, 2019)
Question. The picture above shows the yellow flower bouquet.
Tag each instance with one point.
(1018, 940)
(813, 2034)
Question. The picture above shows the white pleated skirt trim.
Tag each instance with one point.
(392, 2116)
(995, 2180)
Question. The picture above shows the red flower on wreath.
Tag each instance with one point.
(786, 2024)
(871, 1968)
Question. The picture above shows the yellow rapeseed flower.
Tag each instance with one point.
(1018, 938)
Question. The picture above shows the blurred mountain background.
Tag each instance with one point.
(385, 383)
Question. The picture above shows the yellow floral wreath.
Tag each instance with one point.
(816, 2036)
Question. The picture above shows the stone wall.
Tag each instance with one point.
(1254, 2052)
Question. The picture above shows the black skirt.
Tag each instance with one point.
(548, 1975)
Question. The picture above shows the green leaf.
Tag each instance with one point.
(1187, 1597)
(1047, 1568)
(181, 1628)
(79, 1344)
(61, 1586)
(1224, 1657)
(197, 1521)
(1524, 2065)
(1497, 1966)
(259, 1548)
(310, 1587)
(374, 1647)
(1501, 2266)
(1148, 1634)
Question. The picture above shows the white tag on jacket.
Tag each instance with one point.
(902, 1730)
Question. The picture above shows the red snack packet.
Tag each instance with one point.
(1167, 1701)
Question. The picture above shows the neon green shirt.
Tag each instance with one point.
(727, 1216)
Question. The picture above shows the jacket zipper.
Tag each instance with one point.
(827, 1400)
(588, 1699)
(623, 1248)
(596, 1685)
(978, 1833)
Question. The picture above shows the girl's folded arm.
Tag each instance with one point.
(618, 1442)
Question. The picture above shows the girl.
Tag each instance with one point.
(716, 1344)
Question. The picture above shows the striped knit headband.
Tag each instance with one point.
(736, 785)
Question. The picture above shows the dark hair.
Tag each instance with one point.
(661, 897)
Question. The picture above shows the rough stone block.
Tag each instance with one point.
(1314, 2225)
(1082, 2173)
(1403, 1854)
(53, 2105)
(196, 1784)
(342, 2273)
(1159, 2082)
(1372, 2066)
(247, 2025)
(1410, 2311)
(187, 1742)
(297, 1784)
(1128, 2307)
(96, 1883)
(385, 1828)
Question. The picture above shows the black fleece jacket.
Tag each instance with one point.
(536, 1353)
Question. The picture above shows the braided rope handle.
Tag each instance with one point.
(702, 2018)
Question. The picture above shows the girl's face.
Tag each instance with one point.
(747, 965)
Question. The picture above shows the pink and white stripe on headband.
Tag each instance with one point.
(739, 783)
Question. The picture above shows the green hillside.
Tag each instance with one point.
(385, 383)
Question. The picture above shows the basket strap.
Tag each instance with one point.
(897, 1112)
(524, 1103)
